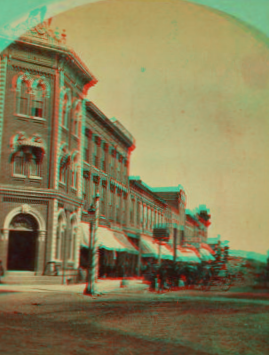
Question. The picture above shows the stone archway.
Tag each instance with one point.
(24, 236)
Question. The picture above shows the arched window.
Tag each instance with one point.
(23, 97)
(38, 100)
(74, 177)
(63, 175)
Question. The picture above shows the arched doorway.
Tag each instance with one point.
(22, 243)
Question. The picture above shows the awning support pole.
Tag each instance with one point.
(90, 287)
(160, 251)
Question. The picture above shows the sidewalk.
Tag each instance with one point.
(102, 286)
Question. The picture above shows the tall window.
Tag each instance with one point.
(87, 145)
(65, 111)
(118, 167)
(132, 210)
(85, 185)
(117, 207)
(63, 175)
(138, 214)
(95, 152)
(111, 204)
(34, 168)
(103, 157)
(123, 213)
(38, 101)
(23, 98)
(103, 199)
(75, 177)
(112, 163)
(19, 164)
(77, 120)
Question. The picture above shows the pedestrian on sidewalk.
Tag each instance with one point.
(2, 271)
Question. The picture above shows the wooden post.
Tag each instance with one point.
(90, 287)
(160, 252)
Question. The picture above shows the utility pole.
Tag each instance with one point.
(90, 287)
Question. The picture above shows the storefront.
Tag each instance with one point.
(117, 256)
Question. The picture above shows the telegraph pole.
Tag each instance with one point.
(90, 286)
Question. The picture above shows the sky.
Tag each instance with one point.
(192, 87)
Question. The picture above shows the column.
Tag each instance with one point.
(40, 253)
(4, 247)
(66, 246)
(59, 97)
(52, 239)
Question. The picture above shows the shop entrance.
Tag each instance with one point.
(22, 244)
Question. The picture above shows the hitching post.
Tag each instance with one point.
(90, 287)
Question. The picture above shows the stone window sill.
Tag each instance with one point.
(22, 116)
(35, 177)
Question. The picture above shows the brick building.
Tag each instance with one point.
(57, 150)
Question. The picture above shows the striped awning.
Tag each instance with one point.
(128, 247)
(106, 239)
(150, 249)
(187, 255)
(206, 255)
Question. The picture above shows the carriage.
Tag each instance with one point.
(215, 276)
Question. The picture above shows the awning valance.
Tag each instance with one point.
(187, 255)
(107, 239)
(208, 248)
(128, 247)
(166, 252)
(206, 255)
(149, 249)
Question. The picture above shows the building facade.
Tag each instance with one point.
(57, 151)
